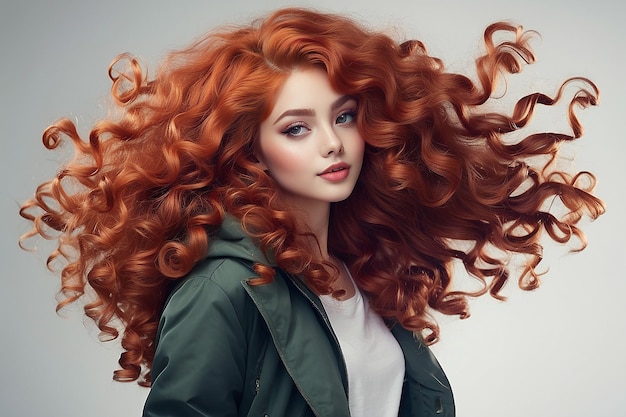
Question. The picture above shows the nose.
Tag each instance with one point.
(331, 143)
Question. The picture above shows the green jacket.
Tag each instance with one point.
(228, 348)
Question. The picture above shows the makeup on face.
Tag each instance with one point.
(310, 142)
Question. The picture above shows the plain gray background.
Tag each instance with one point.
(555, 352)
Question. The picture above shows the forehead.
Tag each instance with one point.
(304, 88)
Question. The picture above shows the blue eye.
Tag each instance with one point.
(347, 117)
(295, 130)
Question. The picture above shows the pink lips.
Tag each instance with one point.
(336, 172)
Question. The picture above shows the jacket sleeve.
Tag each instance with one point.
(199, 364)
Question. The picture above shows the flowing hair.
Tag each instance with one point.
(136, 208)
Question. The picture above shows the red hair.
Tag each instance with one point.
(137, 206)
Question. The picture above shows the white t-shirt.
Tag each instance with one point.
(373, 356)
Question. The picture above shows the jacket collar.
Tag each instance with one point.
(232, 242)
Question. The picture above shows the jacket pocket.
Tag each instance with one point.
(259, 367)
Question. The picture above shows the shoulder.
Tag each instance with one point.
(214, 284)
(226, 273)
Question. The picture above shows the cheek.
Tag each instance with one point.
(283, 159)
(361, 146)
(357, 147)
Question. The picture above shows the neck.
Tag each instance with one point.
(316, 219)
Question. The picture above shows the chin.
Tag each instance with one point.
(341, 198)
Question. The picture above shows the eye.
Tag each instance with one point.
(295, 130)
(346, 117)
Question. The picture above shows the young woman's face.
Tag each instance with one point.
(310, 143)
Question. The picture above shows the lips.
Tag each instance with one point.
(336, 172)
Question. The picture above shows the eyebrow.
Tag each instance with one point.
(310, 112)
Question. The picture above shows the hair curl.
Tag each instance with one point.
(136, 207)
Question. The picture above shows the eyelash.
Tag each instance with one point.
(289, 131)
(351, 113)
(292, 127)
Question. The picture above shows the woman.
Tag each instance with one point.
(270, 220)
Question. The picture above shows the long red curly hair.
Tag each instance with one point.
(136, 208)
